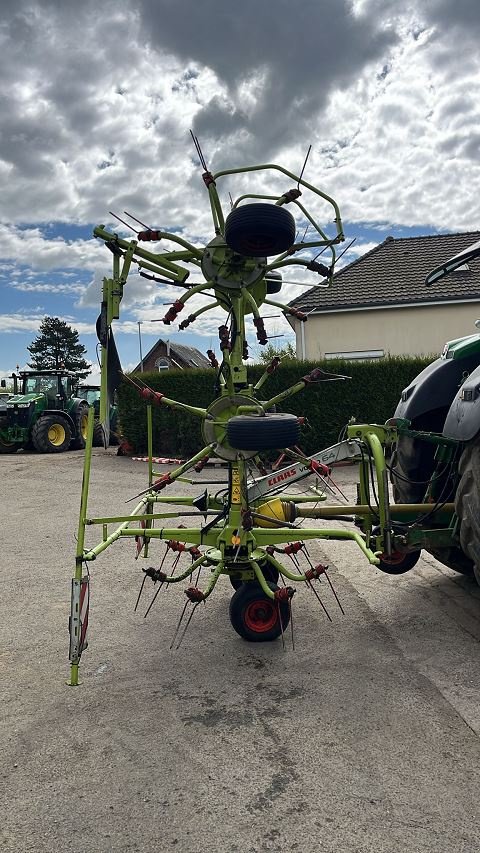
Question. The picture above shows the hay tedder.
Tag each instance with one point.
(249, 531)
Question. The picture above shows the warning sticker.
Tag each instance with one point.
(236, 491)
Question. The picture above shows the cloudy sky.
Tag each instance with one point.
(96, 104)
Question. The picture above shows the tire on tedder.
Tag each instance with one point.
(467, 504)
(259, 230)
(81, 421)
(263, 432)
(51, 434)
(398, 562)
(255, 616)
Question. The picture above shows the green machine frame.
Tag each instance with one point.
(241, 536)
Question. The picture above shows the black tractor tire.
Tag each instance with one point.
(81, 417)
(98, 439)
(270, 574)
(412, 465)
(259, 230)
(263, 432)
(467, 504)
(51, 434)
(398, 563)
(8, 446)
(255, 617)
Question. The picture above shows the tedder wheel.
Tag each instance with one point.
(81, 421)
(259, 230)
(397, 563)
(467, 504)
(270, 573)
(263, 432)
(255, 616)
(51, 434)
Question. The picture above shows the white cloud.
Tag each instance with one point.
(385, 91)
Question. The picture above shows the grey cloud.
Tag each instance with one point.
(306, 49)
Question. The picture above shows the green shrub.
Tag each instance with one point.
(370, 396)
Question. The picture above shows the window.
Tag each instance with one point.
(357, 355)
(162, 363)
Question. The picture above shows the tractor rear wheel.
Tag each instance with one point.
(467, 504)
(81, 423)
(412, 466)
(51, 434)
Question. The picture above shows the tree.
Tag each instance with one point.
(57, 347)
(266, 354)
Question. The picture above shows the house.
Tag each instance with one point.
(164, 356)
(379, 304)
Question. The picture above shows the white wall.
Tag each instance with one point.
(401, 331)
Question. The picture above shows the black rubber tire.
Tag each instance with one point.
(467, 504)
(259, 230)
(263, 432)
(8, 446)
(250, 605)
(412, 464)
(274, 283)
(80, 439)
(98, 440)
(40, 434)
(398, 564)
(270, 574)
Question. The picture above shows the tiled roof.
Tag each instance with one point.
(394, 272)
(190, 355)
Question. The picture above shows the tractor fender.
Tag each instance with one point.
(435, 387)
(59, 413)
(463, 418)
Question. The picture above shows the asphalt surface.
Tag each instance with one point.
(362, 738)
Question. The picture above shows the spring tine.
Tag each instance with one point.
(188, 623)
(153, 600)
(138, 220)
(174, 567)
(335, 594)
(198, 575)
(122, 221)
(320, 600)
(337, 488)
(308, 559)
(291, 622)
(179, 623)
(139, 594)
(281, 624)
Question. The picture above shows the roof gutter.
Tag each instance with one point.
(387, 307)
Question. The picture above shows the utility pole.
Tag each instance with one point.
(139, 323)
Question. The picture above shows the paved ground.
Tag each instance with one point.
(365, 738)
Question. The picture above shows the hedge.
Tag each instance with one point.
(370, 396)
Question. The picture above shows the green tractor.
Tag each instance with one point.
(91, 393)
(44, 413)
(445, 399)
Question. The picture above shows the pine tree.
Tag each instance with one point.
(57, 347)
